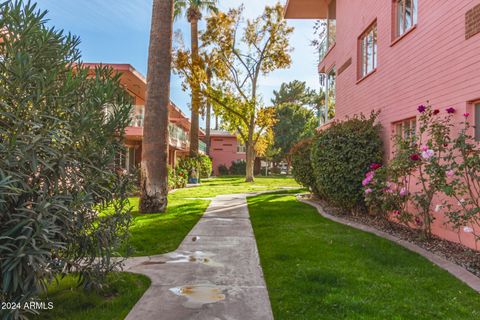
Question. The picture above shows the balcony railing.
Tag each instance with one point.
(178, 137)
(202, 147)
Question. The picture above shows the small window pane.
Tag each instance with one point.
(408, 14)
(400, 22)
(415, 10)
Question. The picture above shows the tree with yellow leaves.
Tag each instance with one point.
(241, 51)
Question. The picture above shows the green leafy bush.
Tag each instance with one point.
(205, 165)
(302, 169)
(200, 166)
(222, 170)
(341, 155)
(60, 132)
(238, 168)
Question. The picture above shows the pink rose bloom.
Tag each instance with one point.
(428, 154)
(424, 148)
(396, 212)
(366, 181)
(403, 192)
(450, 173)
(367, 191)
(468, 229)
(466, 114)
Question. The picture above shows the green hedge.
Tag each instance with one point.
(341, 156)
(302, 169)
(202, 165)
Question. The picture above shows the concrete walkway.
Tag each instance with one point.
(215, 274)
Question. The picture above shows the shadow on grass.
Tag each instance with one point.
(318, 269)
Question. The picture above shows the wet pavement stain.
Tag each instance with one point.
(199, 295)
(186, 257)
(147, 263)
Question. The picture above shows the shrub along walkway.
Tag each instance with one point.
(214, 274)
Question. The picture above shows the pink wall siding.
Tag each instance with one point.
(223, 150)
(432, 62)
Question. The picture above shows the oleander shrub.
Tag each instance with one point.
(222, 170)
(302, 169)
(341, 155)
(238, 168)
(61, 127)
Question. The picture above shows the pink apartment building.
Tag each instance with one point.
(393, 55)
(225, 149)
(179, 127)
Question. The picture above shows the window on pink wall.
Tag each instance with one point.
(406, 13)
(368, 51)
(406, 129)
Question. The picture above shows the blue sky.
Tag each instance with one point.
(116, 31)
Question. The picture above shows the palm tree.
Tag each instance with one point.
(193, 11)
(154, 184)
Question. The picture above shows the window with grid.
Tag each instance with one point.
(406, 13)
(368, 51)
(406, 129)
(241, 148)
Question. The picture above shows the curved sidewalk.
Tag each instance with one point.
(214, 274)
(461, 273)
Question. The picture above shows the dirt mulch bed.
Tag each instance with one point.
(454, 252)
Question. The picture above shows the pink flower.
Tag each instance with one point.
(436, 111)
(450, 110)
(466, 114)
(427, 154)
(396, 212)
(424, 148)
(421, 108)
(403, 192)
(367, 191)
(450, 173)
(467, 229)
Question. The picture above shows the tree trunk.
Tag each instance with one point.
(194, 127)
(154, 180)
(208, 116)
(250, 151)
(216, 122)
(250, 162)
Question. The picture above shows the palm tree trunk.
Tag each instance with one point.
(194, 127)
(154, 180)
(208, 116)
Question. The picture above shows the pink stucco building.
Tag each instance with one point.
(393, 55)
(224, 149)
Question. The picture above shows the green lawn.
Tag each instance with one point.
(163, 232)
(229, 185)
(69, 302)
(319, 269)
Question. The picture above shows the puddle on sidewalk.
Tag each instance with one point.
(199, 295)
(187, 257)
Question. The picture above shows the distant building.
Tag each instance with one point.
(224, 149)
(179, 127)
